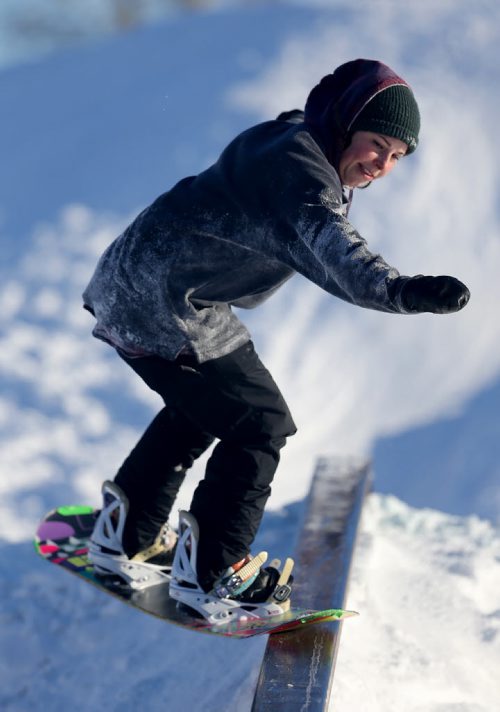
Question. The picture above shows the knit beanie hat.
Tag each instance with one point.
(363, 94)
(393, 112)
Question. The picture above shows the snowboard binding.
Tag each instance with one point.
(106, 551)
(241, 593)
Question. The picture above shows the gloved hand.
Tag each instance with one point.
(439, 295)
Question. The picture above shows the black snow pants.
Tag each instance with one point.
(232, 399)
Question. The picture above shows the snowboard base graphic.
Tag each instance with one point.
(62, 539)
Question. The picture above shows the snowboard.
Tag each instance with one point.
(62, 539)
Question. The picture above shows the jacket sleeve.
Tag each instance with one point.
(315, 238)
(326, 248)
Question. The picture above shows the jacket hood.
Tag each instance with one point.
(335, 103)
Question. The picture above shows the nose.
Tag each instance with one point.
(383, 162)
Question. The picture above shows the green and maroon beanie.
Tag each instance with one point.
(361, 95)
(393, 112)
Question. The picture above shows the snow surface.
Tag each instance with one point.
(94, 133)
(427, 639)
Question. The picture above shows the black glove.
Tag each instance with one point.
(439, 295)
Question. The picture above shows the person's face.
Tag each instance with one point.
(369, 156)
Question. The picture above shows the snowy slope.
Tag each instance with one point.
(454, 463)
(427, 640)
(91, 136)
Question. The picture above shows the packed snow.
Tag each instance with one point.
(427, 639)
(95, 132)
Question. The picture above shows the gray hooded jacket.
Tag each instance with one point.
(271, 206)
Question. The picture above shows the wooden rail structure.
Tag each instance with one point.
(297, 669)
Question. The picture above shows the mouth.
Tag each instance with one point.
(366, 173)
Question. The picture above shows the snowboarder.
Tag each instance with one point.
(275, 203)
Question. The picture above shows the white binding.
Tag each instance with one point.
(108, 534)
(184, 587)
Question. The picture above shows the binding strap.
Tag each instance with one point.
(159, 546)
(239, 580)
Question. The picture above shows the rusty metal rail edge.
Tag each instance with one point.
(297, 669)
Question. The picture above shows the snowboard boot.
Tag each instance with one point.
(140, 571)
(244, 591)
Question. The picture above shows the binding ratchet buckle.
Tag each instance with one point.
(282, 593)
(229, 587)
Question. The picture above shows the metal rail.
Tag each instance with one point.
(297, 669)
